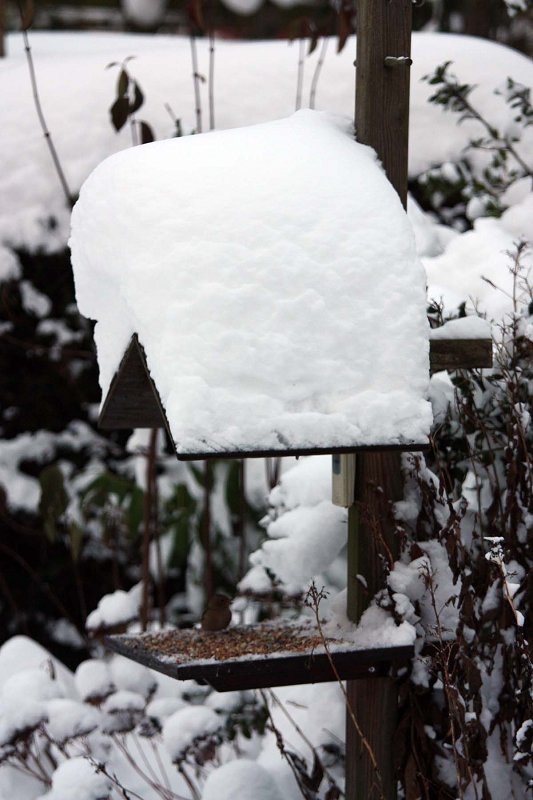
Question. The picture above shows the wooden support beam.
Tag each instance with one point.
(454, 354)
(381, 121)
(382, 92)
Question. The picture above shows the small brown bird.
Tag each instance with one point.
(217, 615)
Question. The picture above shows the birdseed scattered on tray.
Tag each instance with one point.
(237, 642)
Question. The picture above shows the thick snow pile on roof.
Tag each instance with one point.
(270, 273)
(254, 82)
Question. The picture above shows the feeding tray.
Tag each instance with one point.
(257, 656)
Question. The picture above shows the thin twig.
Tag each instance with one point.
(318, 70)
(242, 517)
(196, 83)
(44, 127)
(208, 577)
(211, 80)
(300, 79)
(147, 530)
(300, 732)
(313, 601)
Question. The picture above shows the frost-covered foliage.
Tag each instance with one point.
(467, 525)
(117, 730)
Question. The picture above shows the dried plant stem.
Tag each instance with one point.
(313, 601)
(242, 518)
(208, 577)
(300, 78)
(155, 785)
(318, 70)
(281, 746)
(211, 80)
(44, 127)
(160, 764)
(149, 501)
(300, 732)
(449, 683)
(194, 791)
(196, 83)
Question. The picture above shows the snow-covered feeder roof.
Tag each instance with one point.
(271, 278)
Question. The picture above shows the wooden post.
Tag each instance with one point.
(382, 119)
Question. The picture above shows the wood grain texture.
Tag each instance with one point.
(132, 400)
(382, 93)
(454, 354)
(382, 121)
(371, 545)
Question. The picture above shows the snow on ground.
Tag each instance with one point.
(235, 778)
(254, 82)
(78, 778)
(297, 260)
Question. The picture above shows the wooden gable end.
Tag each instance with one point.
(132, 400)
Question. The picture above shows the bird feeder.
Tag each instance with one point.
(257, 293)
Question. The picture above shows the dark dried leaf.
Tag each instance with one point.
(196, 15)
(123, 83)
(27, 12)
(146, 134)
(120, 111)
(412, 791)
(344, 28)
(138, 98)
(317, 774)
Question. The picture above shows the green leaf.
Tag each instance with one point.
(180, 543)
(135, 512)
(54, 499)
(233, 499)
(120, 111)
(76, 539)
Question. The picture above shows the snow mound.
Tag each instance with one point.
(93, 680)
(21, 653)
(235, 779)
(188, 726)
(276, 291)
(68, 719)
(78, 778)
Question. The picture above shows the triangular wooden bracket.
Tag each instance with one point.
(132, 400)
